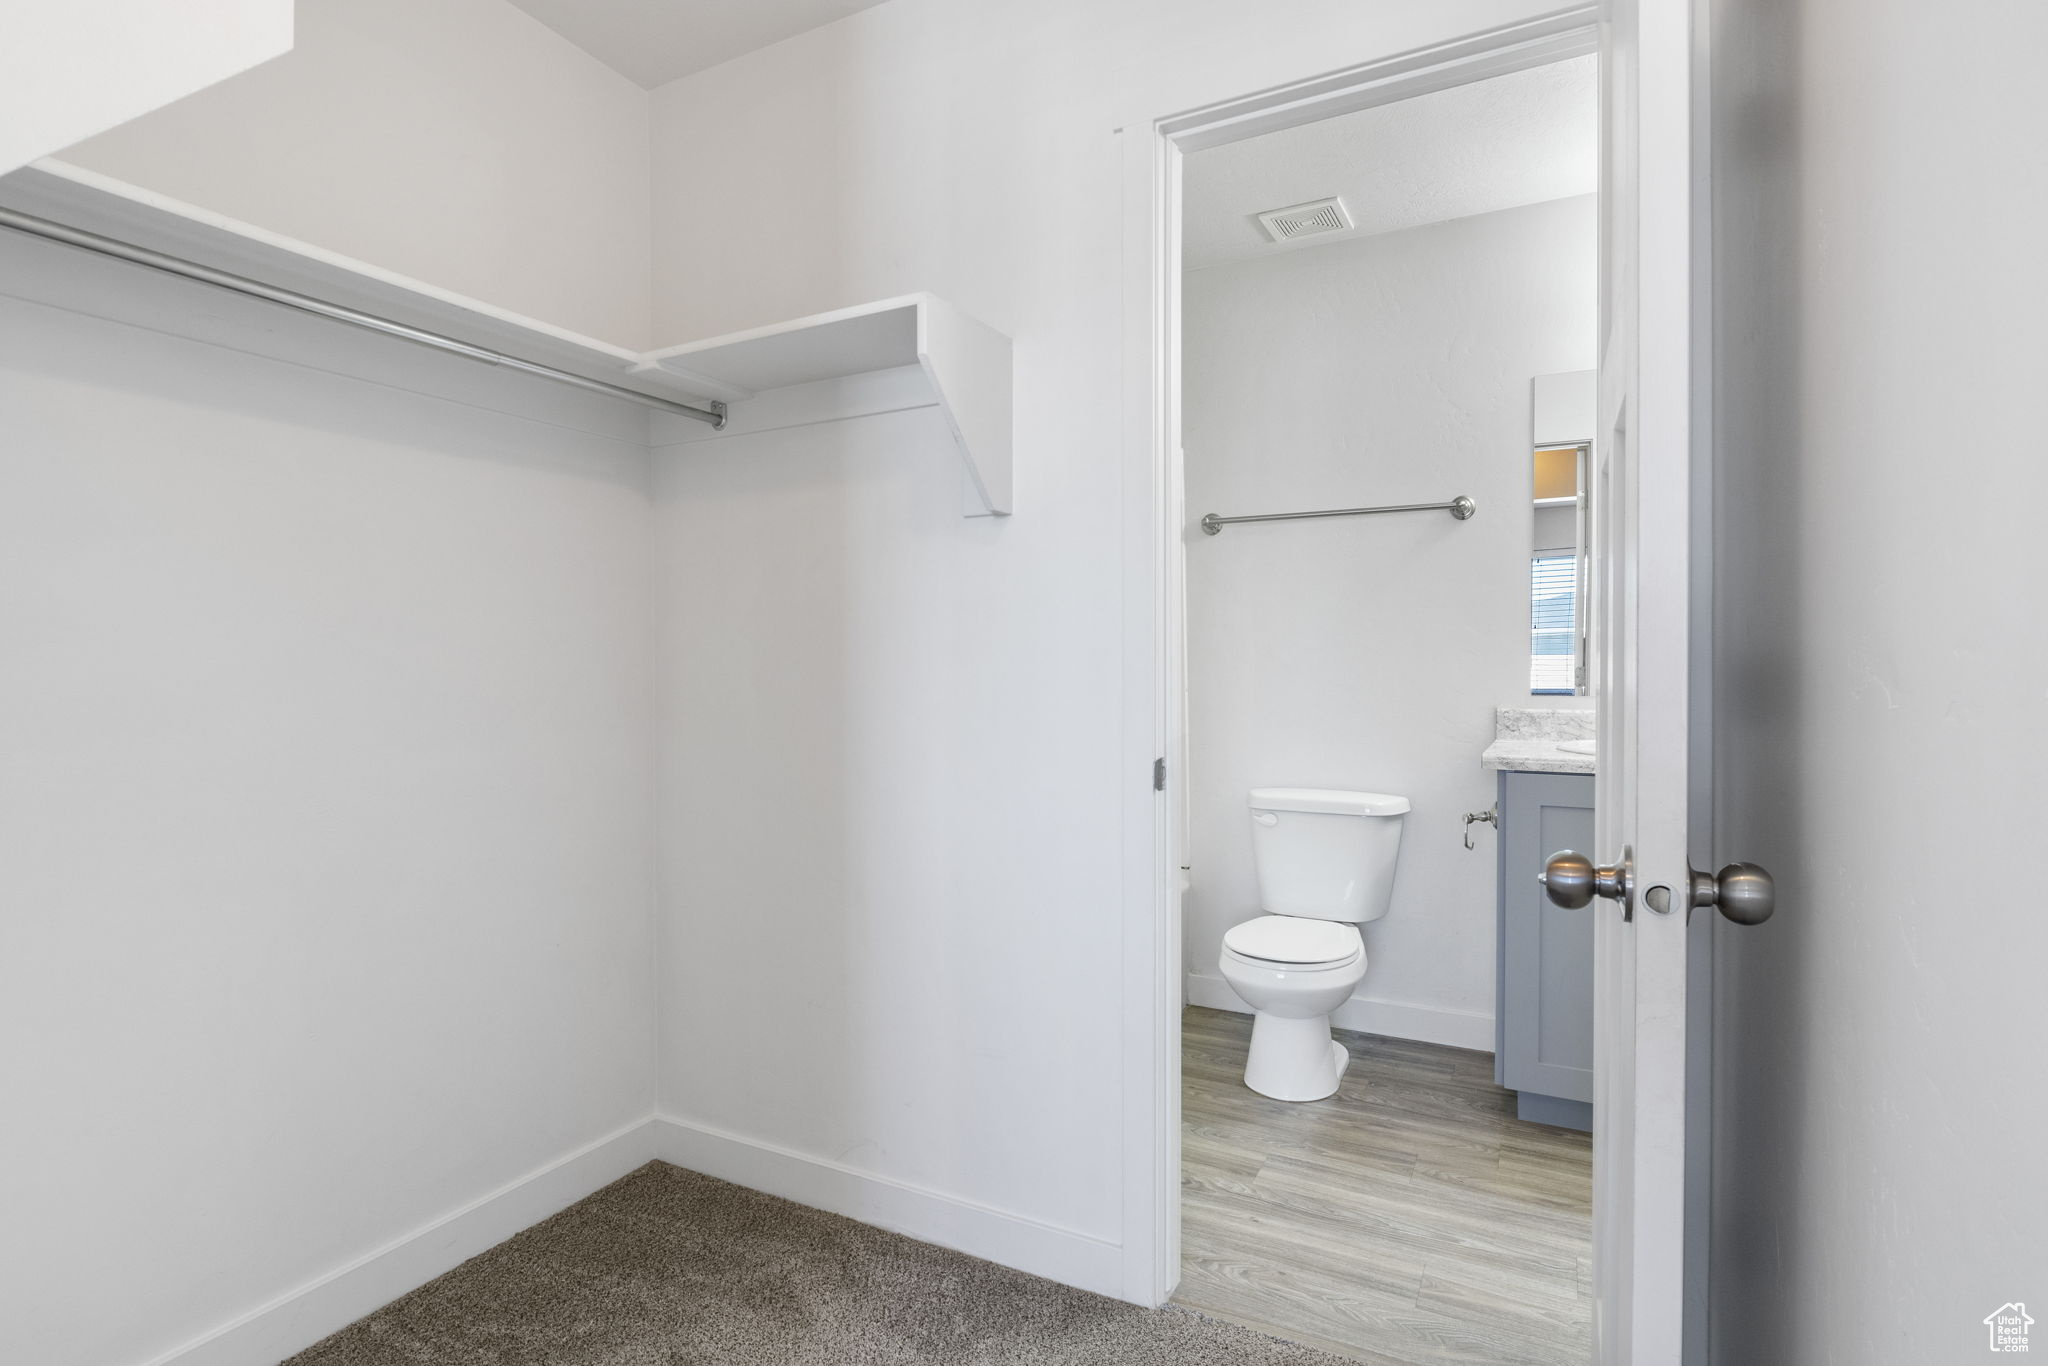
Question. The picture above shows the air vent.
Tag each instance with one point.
(1305, 220)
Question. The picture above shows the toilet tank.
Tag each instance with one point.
(1325, 854)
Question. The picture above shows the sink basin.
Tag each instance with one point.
(1585, 747)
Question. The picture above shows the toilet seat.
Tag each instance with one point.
(1295, 941)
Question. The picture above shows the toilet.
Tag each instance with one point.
(1325, 864)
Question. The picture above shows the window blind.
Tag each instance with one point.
(1553, 582)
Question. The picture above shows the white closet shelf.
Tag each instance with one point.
(908, 352)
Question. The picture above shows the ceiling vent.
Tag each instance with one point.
(1305, 220)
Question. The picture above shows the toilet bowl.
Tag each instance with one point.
(1325, 862)
(1293, 1056)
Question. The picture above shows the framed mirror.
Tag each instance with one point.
(1559, 550)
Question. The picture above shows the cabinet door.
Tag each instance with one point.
(1546, 971)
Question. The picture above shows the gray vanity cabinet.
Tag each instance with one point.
(1543, 1000)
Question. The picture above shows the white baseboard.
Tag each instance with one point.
(1457, 1028)
(301, 1317)
(1058, 1254)
(305, 1314)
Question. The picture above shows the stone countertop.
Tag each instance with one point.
(1523, 755)
(1526, 740)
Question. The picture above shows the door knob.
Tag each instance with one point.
(1743, 891)
(1573, 880)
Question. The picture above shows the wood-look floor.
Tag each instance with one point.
(1408, 1220)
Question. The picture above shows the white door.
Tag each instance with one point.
(1653, 380)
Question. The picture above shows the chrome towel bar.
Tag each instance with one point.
(1460, 507)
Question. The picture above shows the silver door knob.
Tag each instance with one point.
(1573, 880)
(1743, 891)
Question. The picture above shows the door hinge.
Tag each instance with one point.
(1159, 775)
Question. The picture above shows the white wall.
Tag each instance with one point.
(1879, 1107)
(1371, 654)
(460, 142)
(956, 147)
(70, 70)
(325, 852)
(847, 814)
(892, 737)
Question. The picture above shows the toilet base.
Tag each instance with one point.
(1294, 1060)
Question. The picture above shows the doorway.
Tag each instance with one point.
(1414, 1214)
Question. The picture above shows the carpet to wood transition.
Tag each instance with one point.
(669, 1268)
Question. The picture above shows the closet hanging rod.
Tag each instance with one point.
(1460, 507)
(714, 414)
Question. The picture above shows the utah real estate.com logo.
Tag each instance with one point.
(2008, 1326)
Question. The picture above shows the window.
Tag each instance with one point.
(1553, 621)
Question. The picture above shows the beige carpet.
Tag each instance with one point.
(669, 1268)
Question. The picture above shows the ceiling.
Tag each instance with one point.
(655, 41)
(1523, 138)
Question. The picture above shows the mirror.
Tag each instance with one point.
(1562, 428)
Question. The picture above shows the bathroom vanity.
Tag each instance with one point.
(1543, 989)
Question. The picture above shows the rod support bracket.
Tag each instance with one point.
(717, 407)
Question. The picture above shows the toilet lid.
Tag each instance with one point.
(1293, 939)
